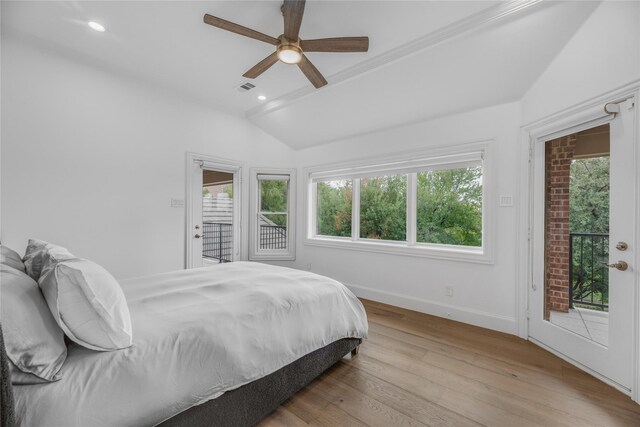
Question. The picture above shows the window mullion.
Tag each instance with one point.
(355, 210)
(412, 208)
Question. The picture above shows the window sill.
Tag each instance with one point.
(450, 253)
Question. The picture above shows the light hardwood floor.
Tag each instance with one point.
(417, 370)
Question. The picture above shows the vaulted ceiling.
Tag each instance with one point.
(426, 58)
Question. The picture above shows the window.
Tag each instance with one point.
(383, 208)
(333, 214)
(420, 205)
(272, 218)
(450, 206)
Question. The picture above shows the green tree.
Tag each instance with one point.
(589, 213)
(383, 207)
(333, 216)
(450, 206)
(589, 195)
(273, 198)
(228, 188)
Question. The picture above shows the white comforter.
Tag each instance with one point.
(196, 334)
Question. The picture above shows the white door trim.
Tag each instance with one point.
(575, 118)
(220, 164)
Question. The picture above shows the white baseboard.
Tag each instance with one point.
(483, 319)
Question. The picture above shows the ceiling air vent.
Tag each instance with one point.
(246, 87)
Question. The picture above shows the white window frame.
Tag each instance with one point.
(409, 163)
(255, 253)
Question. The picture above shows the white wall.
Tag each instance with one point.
(603, 55)
(91, 159)
(483, 294)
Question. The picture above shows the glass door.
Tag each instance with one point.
(581, 298)
(213, 222)
(217, 216)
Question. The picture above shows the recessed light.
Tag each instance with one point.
(96, 26)
(262, 97)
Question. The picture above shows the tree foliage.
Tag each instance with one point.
(589, 195)
(273, 198)
(228, 188)
(589, 213)
(449, 207)
(334, 208)
(383, 207)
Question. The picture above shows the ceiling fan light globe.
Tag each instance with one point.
(96, 26)
(290, 55)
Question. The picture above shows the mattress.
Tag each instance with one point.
(196, 334)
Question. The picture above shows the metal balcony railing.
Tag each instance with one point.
(217, 239)
(588, 275)
(273, 237)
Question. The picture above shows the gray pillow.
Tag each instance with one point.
(41, 256)
(11, 258)
(33, 339)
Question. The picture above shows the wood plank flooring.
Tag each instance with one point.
(421, 370)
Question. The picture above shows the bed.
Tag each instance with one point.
(222, 345)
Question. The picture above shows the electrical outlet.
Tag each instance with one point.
(177, 203)
(309, 266)
(449, 291)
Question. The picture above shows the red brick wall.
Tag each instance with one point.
(558, 155)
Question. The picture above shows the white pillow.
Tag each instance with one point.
(88, 304)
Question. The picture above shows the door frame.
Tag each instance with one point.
(579, 117)
(219, 164)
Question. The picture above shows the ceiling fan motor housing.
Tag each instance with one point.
(289, 51)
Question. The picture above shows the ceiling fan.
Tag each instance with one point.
(289, 48)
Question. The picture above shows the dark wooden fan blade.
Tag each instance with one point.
(311, 72)
(261, 66)
(239, 29)
(337, 44)
(292, 11)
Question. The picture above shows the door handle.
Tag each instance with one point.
(620, 265)
(197, 236)
(622, 246)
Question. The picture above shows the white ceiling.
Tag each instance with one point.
(426, 58)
